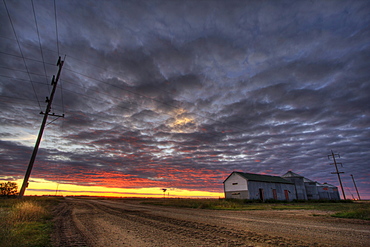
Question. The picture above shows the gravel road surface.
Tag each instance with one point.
(93, 222)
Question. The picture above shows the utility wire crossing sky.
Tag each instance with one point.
(178, 94)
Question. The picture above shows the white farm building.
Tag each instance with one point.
(290, 186)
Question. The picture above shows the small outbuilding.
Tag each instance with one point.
(240, 185)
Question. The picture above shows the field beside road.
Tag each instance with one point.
(26, 222)
(124, 222)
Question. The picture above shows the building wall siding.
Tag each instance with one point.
(328, 192)
(235, 183)
(255, 186)
(301, 193)
(323, 192)
(243, 194)
(311, 189)
(334, 193)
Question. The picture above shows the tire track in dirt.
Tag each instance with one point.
(91, 222)
(67, 229)
(211, 234)
(172, 226)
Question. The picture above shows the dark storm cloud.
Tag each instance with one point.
(169, 94)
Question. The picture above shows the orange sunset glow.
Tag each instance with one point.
(41, 187)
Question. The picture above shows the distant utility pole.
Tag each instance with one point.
(54, 83)
(358, 194)
(337, 171)
(164, 193)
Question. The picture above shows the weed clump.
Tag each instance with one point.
(27, 211)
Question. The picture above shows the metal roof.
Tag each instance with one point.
(263, 178)
(306, 180)
(291, 174)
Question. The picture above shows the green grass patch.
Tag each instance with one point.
(344, 209)
(197, 203)
(26, 222)
(359, 211)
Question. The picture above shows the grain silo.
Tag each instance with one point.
(299, 184)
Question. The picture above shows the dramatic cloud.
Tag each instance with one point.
(180, 94)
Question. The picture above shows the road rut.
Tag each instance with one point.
(88, 222)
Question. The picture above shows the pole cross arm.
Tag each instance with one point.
(52, 114)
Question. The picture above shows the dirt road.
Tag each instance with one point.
(88, 222)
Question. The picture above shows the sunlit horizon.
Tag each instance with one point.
(42, 187)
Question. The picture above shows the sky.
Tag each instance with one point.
(179, 94)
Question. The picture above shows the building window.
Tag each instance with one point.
(235, 193)
(235, 183)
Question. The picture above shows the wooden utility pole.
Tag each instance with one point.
(54, 83)
(358, 194)
(164, 193)
(337, 171)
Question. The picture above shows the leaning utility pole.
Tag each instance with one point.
(54, 83)
(337, 171)
(358, 194)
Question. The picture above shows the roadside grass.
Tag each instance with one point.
(342, 209)
(360, 211)
(26, 222)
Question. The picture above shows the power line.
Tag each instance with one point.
(141, 95)
(29, 44)
(38, 35)
(20, 49)
(56, 26)
(14, 98)
(18, 79)
(25, 58)
(155, 100)
(90, 97)
(109, 70)
(130, 91)
(196, 140)
(220, 134)
(61, 95)
(61, 91)
(191, 143)
(19, 70)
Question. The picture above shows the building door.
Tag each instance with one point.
(274, 194)
(286, 193)
(262, 197)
